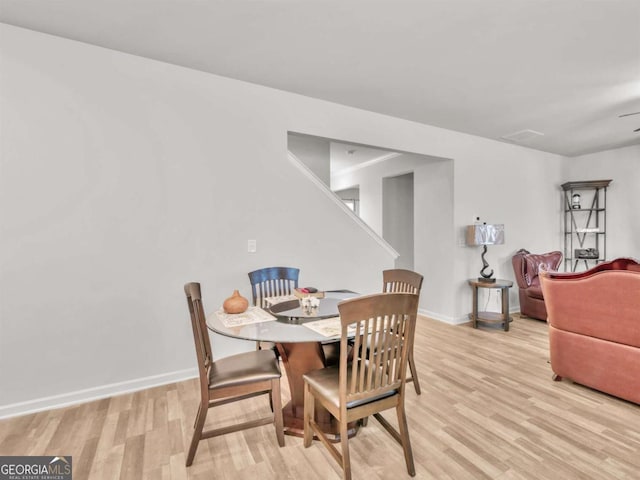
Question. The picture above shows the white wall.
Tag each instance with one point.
(397, 217)
(433, 237)
(122, 178)
(369, 179)
(519, 190)
(621, 165)
(314, 152)
(435, 240)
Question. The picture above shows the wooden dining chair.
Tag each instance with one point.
(272, 282)
(404, 281)
(368, 384)
(230, 379)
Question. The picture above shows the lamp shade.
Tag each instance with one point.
(484, 234)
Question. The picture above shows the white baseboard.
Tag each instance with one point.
(96, 393)
(444, 318)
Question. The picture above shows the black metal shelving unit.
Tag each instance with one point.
(585, 223)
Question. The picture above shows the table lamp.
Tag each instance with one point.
(483, 234)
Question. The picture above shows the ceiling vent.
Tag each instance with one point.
(522, 136)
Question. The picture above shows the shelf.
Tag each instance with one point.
(585, 228)
(567, 210)
(569, 259)
(585, 184)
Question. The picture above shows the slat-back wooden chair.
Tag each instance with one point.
(230, 379)
(272, 282)
(404, 281)
(371, 383)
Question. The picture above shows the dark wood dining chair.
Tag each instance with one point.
(368, 384)
(272, 282)
(230, 379)
(404, 281)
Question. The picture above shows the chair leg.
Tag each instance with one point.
(197, 432)
(344, 443)
(414, 373)
(195, 420)
(309, 412)
(404, 438)
(276, 403)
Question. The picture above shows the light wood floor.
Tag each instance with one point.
(489, 409)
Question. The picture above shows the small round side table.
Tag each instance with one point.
(491, 317)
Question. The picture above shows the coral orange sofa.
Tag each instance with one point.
(594, 326)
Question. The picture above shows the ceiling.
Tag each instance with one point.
(563, 68)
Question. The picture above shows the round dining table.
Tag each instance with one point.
(301, 348)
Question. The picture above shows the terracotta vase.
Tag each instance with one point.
(236, 303)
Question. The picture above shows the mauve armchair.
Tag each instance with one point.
(526, 266)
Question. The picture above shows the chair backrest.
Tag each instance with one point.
(600, 303)
(526, 266)
(387, 322)
(200, 334)
(401, 281)
(621, 263)
(272, 282)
